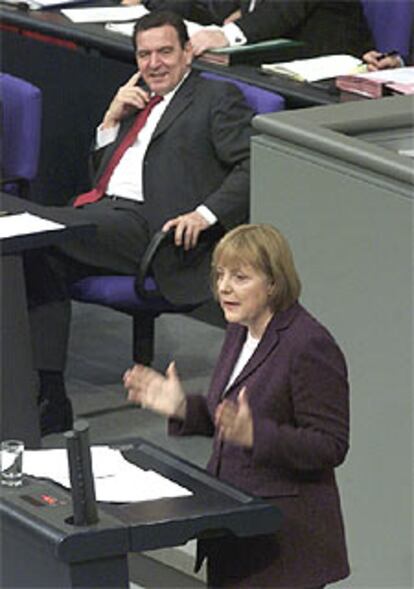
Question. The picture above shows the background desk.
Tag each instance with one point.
(40, 549)
(78, 68)
(332, 180)
(19, 417)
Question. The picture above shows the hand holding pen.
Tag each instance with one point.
(376, 60)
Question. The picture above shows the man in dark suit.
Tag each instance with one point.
(187, 169)
(325, 26)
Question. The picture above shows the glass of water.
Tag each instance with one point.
(11, 462)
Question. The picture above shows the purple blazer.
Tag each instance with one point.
(298, 393)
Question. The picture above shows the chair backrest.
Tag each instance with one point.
(391, 24)
(260, 100)
(21, 107)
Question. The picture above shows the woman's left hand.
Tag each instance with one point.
(234, 420)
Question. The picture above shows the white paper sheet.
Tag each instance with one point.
(315, 68)
(116, 479)
(25, 224)
(105, 14)
(401, 75)
(128, 28)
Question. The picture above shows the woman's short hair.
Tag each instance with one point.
(160, 18)
(264, 248)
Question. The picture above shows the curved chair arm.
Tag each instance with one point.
(144, 270)
(195, 260)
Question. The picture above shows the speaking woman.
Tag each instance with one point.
(278, 411)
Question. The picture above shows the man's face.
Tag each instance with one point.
(161, 59)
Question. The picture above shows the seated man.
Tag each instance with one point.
(325, 26)
(187, 169)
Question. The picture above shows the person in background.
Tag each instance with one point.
(278, 411)
(325, 26)
(172, 154)
(204, 12)
(376, 60)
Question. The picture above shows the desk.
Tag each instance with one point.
(61, 555)
(19, 417)
(78, 67)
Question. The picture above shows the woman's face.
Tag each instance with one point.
(244, 295)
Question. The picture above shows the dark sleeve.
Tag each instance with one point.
(204, 12)
(197, 422)
(181, 7)
(230, 133)
(274, 19)
(318, 437)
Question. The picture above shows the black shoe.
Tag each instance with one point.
(55, 417)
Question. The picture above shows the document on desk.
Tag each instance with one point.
(41, 4)
(315, 68)
(116, 479)
(127, 28)
(25, 224)
(105, 14)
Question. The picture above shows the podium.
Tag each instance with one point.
(40, 548)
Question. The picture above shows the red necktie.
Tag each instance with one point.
(96, 193)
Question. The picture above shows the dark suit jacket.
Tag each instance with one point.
(298, 394)
(204, 12)
(326, 26)
(199, 154)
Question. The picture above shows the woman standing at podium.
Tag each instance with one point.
(278, 410)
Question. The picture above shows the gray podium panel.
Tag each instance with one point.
(333, 181)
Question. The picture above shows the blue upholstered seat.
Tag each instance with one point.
(21, 105)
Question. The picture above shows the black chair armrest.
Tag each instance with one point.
(144, 269)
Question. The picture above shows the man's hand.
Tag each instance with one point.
(128, 98)
(379, 61)
(234, 421)
(187, 229)
(208, 39)
(232, 17)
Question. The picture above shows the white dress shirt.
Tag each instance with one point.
(126, 179)
(246, 353)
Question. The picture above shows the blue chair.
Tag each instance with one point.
(139, 296)
(21, 113)
(391, 24)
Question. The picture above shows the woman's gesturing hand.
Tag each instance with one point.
(153, 390)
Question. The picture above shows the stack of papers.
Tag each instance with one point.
(105, 14)
(316, 68)
(376, 84)
(116, 479)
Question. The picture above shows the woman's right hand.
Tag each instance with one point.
(152, 390)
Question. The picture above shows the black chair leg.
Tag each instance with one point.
(143, 338)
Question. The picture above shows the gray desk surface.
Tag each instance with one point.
(343, 130)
